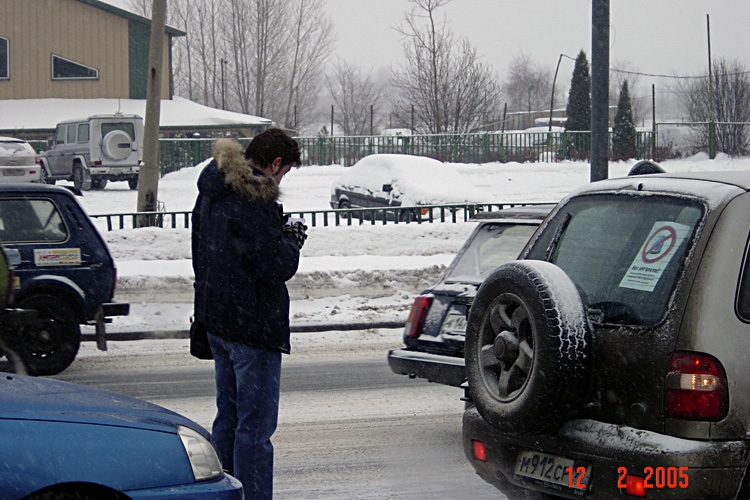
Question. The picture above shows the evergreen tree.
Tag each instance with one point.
(579, 98)
(623, 132)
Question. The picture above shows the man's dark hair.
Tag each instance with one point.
(270, 144)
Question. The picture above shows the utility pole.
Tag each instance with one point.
(148, 177)
(712, 116)
(599, 90)
(223, 63)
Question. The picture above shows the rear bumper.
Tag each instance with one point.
(115, 308)
(715, 468)
(447, 370)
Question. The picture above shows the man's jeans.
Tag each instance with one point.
(247, 401)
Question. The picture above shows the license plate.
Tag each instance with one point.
(118, 171)
(454, 323)
(14, 172)
(553, 471)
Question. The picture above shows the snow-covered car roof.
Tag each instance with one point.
(417, 179)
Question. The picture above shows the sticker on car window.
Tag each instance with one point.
(656, 252)
(57, 257)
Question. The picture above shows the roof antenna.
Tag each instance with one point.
(118, 112)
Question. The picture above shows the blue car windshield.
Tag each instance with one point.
(624, 252)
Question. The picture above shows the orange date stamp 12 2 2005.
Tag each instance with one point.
(656, 477)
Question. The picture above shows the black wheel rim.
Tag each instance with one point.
(506, 347)
(43, 339)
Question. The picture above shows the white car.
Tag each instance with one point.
(18, 161)
(394, 180)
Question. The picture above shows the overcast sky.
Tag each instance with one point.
(656, 37)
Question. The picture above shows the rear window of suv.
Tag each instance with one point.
(624, 252)
(128, 128)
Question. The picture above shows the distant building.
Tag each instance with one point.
(76, 49)
(91, 53)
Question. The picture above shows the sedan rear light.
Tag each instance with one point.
(418, 312)
(697, 387)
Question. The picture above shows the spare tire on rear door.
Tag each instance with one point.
(528, 348)
(117, 145)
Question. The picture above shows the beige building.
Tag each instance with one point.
(76, 49)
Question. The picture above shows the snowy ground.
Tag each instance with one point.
(347, 273)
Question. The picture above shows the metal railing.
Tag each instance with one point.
(421, 214)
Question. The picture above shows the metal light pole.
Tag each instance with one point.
(599, 90)
(223, 63)
(531, 87)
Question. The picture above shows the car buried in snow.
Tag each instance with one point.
(610, 361)
(390, 181)
(434, 332)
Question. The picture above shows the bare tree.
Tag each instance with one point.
(442, 80)
(731, 106)
(527, 86)
(141, 7)
(353, 91)
(309, 48)
(263, 57)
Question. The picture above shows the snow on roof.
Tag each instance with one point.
(179, 113)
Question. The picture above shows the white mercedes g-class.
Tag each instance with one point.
(94, 150)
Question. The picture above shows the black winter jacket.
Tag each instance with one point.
(241, 257)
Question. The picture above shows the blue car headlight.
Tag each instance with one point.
(203, 458)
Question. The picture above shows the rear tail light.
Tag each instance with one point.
(419, 309)
(38, 160)
(697, 387)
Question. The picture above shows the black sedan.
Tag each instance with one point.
(434, 332)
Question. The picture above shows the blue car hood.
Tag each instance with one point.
(29, 398)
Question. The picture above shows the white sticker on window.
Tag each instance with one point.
(57, 257)
(657, 251)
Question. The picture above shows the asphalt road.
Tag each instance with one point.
(348, 427)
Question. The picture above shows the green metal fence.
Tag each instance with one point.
(422, 214)
(518, 146)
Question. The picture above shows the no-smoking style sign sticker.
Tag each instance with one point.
(655, 253)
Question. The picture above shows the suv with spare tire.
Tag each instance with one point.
(612, 359)
(94, 150)
(63, 270)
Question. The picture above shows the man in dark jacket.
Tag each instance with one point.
(243, 254)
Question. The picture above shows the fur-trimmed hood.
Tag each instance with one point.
(234, 173)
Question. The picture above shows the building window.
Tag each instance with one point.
(65, 69)
(4, 59)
